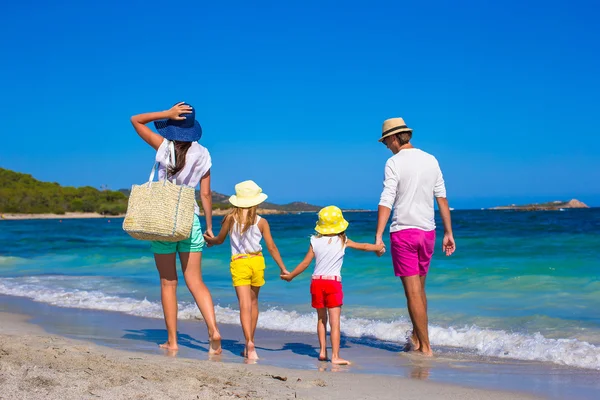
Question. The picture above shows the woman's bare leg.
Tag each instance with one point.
(191, 265)
(165, 263)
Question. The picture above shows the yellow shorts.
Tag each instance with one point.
(248, 269)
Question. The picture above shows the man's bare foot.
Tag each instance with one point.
(169, 346)
(339, 361)
(214, 347)
(251, 351)
(426, 353)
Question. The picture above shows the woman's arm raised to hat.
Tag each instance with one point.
(154, 139)
(265, 229)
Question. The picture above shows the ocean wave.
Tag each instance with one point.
(10, 260)
(485, 342)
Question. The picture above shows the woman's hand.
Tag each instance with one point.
(210, 240)
(178, 109)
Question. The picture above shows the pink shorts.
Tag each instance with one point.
(411, 251)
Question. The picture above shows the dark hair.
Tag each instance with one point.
(404, 137)
(181, 149)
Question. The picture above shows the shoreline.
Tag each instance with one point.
(297, 352)
(35, 362)
(76, 215)
(69, 215)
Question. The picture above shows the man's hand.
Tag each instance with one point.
(286, 277)
(379, 241)
(448, 244)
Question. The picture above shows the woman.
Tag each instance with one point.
(192, 167)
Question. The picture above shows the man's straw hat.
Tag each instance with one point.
(393, 126)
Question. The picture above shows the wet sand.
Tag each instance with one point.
(38, 364)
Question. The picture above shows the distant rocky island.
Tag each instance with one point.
(549, 206)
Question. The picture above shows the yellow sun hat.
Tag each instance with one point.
(247, 194)
(331, 221)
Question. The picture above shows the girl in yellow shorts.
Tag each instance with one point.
(246, 229)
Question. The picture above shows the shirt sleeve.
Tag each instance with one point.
(162, 153)
(439, 189)
(390, 186)
(202, 164)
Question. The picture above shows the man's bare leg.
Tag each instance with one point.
(417, 306)
(416, 343)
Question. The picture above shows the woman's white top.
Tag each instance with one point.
(246, 243)
(197, 164)
(329, 255)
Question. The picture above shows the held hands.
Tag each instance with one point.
(178, 109)
(209, 238)
(379, 242)
(286, 276)
(448, 244)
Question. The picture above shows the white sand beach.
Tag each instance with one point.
(38, 365)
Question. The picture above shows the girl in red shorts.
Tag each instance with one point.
(328, 247)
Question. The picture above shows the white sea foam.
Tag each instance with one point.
(486, 342)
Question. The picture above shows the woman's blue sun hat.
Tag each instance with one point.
(185, 130)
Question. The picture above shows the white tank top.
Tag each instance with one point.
(247, 243)
(329, 255)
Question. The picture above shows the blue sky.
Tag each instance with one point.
(293, 94)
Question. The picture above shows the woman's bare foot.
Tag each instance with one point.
(214, 347)
(339, 361)
(169, 346)
(323, 356)
(251, 351)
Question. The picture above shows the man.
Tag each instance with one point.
(412, 179)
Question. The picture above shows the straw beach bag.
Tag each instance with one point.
(162, 210)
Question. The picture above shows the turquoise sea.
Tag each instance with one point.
(521, 285)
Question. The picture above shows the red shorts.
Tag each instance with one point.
(412, 250)
(326, 293)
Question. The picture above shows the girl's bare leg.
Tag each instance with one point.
(254, 295)
(244, 295)
(334, 322)
(322, 333)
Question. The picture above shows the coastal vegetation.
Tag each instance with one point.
(23, 194)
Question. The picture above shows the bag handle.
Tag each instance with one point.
(171, 163)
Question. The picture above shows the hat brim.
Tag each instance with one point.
(173, 132)
(247, 202)
(395, 133)
(339, 228)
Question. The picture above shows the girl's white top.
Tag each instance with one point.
(246, 243)
(329, 255)
(197, 164)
